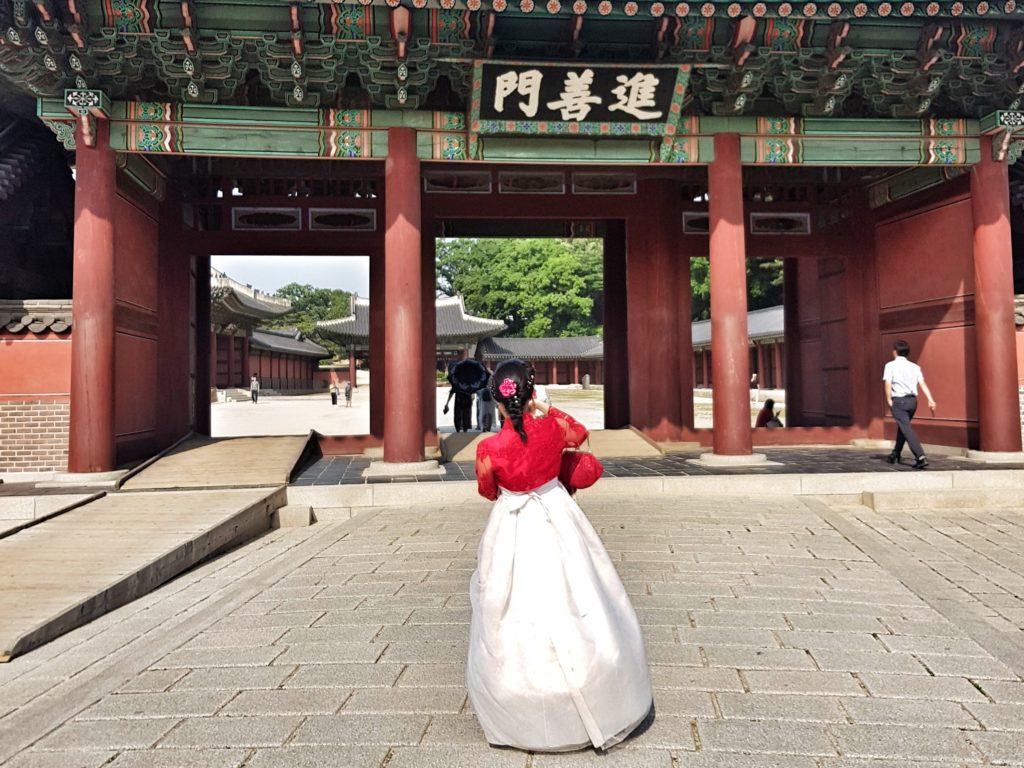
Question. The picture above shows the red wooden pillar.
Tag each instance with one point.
(246, 367)
(575, 371)
(683, 300)
(998, 404)
(378, 344)
(232, 346)
(428, 327)
(175, 326)
(403, 297)
(615, 369)
(730, 358)
(791, 320)
(91, 446)
(862, 333)
(213, 358)
(205, 346)
(762, 379)
(654, 300)
(552, 372)
(779, 381)
(352, 366)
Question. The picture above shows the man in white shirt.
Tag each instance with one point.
(902, 378)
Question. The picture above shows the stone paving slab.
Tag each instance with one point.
(71, 569)
(243, 461)
(777, 640)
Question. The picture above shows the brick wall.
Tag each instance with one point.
(34, 434)
(35, 382)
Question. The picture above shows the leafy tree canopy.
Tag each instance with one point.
(537, 286)
(548, 287)
(764, 285)
(309, 305)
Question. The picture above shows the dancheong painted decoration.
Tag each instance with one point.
(657, 77)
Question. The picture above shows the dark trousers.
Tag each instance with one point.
(903, 409)
(463, 412)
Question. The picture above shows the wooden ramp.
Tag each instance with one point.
(237, 462)
(605, 443)
(71, 569)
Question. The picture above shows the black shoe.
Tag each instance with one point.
(892, 458)
(921, 463)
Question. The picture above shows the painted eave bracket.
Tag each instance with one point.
(1006, 127)
(87, 106)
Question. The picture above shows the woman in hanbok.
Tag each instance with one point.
(556, 657)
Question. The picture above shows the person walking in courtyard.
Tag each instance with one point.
(254, 389)
(901, 380)
(348, 394)
(334, 393)
(556, 659)
(463, 409)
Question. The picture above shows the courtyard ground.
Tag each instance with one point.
(783, 632)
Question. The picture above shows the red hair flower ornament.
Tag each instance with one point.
(507, 388)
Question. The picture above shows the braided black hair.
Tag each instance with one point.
(521, 375)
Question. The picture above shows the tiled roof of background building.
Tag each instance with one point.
(286, 341)
(453, 324)
(761, 324)
(559, 348)
(235, 302)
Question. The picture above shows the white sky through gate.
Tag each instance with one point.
(268, 273)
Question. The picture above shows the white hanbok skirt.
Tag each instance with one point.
(556, 657)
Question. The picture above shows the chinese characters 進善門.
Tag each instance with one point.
(634, 95)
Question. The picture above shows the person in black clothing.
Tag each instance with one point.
(463, 409)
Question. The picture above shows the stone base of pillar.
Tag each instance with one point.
(99, 480)
(740, 460)
(996, 457)
(402, 468)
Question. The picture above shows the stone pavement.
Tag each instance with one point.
(788, 460)
(782, 633)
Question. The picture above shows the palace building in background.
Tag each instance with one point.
(871, 145)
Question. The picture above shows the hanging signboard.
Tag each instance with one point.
(589, 99)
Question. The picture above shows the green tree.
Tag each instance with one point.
(309, 305)
(764, 285)
(537, 286)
